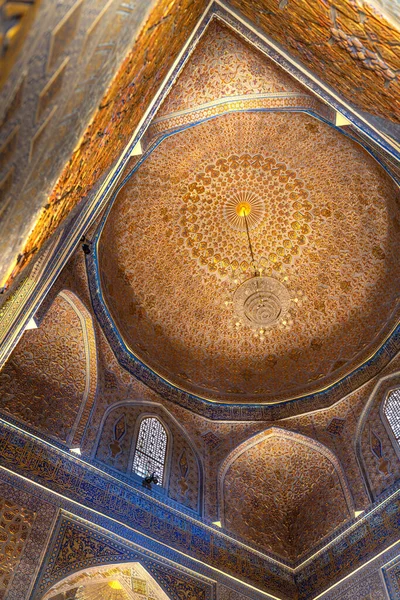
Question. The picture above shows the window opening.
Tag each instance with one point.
(391, 411)
(151, 448)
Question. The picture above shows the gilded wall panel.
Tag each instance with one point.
(15, 525)
(43, 383)
(59, 42)
(151, 56)
(351, 47)
(267, 492)
(224, 65)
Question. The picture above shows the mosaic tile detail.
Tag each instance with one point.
(15, 525)
(336, 426)
(76, 546)
(391, 573)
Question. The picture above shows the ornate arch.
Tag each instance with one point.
(379, 394)
(84, 316)
(283, 492)
(169, 421)
(296, 437)
(49, 382)
(127, 577)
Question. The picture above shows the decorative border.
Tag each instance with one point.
(119, 552)
(77, 481)
(280, 56)
(391, 576)
(45, 472)
(75, 436)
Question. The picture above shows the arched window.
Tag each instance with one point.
(391, 410)
(151, 448)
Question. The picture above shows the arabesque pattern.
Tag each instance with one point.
(278, 480)
(15, 525)
(43, 382)
(329, 232)
(224, 65)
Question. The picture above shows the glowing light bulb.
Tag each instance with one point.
(115, 585)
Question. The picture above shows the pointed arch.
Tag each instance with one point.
(130, 578)
(89, 338)
(49, 381)
(298, 438)
(384, 448)
(277, 474)
(134, 411)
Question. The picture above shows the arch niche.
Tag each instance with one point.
(111, 582)
(49, 382)
(283, 492)
(116, 443)
(376, 447)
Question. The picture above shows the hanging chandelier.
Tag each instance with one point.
(260, 302)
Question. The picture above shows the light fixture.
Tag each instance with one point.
(76, 451)
(260, 302)
(217, 523)
(115, 584)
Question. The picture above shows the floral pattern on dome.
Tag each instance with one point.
(170, 258)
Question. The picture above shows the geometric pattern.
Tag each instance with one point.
(75, 546)
(336, 426)
(391, 574)
(15, 525)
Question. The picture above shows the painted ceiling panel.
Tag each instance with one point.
(278, 481)
(324, 224)
(353, 46)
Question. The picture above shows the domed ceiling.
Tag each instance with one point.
(324, 221)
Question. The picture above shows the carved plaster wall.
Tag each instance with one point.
(117, 441)
(268, 486)
(223, 65)
(375, 447)
(49, 381)
(350, 45)
(95, 46)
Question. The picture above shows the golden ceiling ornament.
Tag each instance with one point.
(249, 203)
(260, 302)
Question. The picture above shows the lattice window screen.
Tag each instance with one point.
(392, 412)
(151, 448)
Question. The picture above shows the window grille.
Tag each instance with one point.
(151, 447)
(391, 410)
